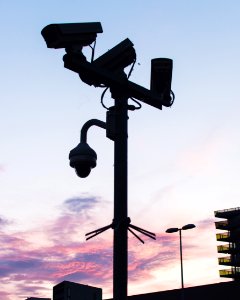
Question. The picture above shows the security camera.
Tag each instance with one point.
(100, 71)
(161, 77)
(71, 34)
(117, 58)
(83, 158)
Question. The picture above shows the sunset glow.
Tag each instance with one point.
(183, 161)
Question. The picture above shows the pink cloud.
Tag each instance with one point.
(5, 295)
(59, 257)
(33, 266)
(2, 168)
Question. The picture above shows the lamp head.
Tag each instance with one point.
(83, 159)
(188, 226)
(171, 230)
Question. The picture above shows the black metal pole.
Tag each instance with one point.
(181, 261)
(120, 245)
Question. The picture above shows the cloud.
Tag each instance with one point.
(144, 259)
(53, 253)
(206, 223)
(81, 262)
(35, 288)
(5, 295)
(162, 255)
(4, 221)
(80, 204)
(76, 215)
(34, 261)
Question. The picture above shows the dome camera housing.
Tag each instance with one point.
(83, 159)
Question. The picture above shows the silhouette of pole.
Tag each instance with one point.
(120, 244)
(175, 229)
(181, 262)
(181, 259)
(117, 130)
(108, 71)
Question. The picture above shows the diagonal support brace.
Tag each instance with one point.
(130, 228)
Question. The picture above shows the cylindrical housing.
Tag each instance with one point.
(161, 77)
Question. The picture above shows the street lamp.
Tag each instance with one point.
(172, 230)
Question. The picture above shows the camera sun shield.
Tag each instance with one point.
(71, 34)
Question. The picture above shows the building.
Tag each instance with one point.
(67, 290)
(34, 298)
(220, 291)
(231, 238)
(216, 291)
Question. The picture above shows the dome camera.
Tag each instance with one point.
(83, 158)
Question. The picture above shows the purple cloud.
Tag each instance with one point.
(34, 268)
(29, 266)
(80, 204)
(5, 295)
(4, 221)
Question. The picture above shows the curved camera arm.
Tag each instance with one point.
(87, 125)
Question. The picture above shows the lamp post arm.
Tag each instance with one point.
(87, 125)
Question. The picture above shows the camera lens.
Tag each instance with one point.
(82, 170)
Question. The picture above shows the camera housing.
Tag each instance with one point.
(83, 159)
(106, 69)
(117, 58)
(71, 34)
(161, 77)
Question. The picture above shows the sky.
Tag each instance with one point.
(183, 161)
